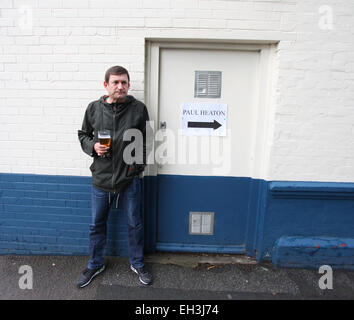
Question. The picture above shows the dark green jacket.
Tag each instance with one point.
(113, 174)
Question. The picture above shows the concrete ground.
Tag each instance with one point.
(176, 277)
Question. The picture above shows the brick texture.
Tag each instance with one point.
(53, 55)
(51, 215)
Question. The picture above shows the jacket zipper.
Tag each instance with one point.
(113, 160)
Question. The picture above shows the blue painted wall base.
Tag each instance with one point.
(313, 252)
(306, 210)
(292, 223)
(50, 215)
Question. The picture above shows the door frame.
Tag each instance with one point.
(262, 136)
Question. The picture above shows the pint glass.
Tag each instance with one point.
(104, 137)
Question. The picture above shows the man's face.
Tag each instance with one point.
(117, 87)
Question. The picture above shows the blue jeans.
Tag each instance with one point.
(131, 203)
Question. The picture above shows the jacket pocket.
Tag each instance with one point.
(134, 169)
(92, 167)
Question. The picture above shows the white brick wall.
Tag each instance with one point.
(52, 66)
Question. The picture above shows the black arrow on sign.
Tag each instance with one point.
(213, 125)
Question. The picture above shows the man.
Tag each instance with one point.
(112, 177)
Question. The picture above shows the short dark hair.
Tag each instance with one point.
(116, 70)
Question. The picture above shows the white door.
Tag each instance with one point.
(239, 79)
(205, 173)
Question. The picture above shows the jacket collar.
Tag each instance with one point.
(128, 99)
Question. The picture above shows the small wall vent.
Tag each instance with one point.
(207, 84)
(201, 223)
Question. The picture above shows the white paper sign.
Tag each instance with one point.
(204, 119)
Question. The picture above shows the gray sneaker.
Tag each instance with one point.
(145, 276)
(87, 275)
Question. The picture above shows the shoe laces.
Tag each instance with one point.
(143, 270)
(86, 271)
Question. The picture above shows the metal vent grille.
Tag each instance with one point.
(201, 223)
(207, 84)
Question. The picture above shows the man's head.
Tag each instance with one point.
(117, 83)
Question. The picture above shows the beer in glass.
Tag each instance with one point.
(104, 137)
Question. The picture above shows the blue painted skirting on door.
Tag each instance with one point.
(227, 197)
(43, 214)
(181, 247)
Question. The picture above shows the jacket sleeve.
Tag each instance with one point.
(86, 135)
